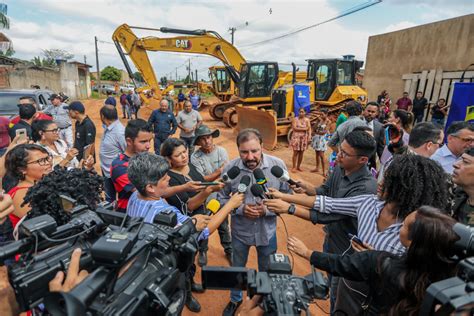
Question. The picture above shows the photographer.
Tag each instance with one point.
(397, 284)
(149, 174)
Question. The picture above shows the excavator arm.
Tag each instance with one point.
(191, 42)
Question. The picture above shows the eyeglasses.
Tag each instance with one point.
(56, 130)
(466, 140)
(345, 154)
(439, 144)
(42, 161)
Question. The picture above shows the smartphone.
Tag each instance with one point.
(87, 151)
(387, 136)
(224, 278)
(21, 132)
(209, 183)
(356, 239)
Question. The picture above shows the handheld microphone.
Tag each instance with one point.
(261, 180)
(244, 183)
(213, 207)
(231, 174)
(282, 175)
(257, 191)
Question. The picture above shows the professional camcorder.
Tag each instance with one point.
(135, 267)
(282, 293)
(454, 294)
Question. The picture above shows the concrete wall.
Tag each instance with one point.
(23, 78)
(446, 45)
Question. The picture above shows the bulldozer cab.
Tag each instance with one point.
(220, 79)
(330, 73)
(257, 79)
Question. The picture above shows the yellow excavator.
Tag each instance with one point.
(254, 80)
(330, 83)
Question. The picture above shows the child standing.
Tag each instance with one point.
(320, 140)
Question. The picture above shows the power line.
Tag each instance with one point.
(342, 14)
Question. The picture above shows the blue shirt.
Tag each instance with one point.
(445, 158)
(147, 209)
(194, 100)
(181, 97)
(253, 231)
(163, 122)
(111, 100)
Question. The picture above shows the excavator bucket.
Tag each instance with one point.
(263, 120)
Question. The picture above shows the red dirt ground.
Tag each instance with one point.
(213, 301)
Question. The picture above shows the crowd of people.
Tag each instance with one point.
(392, 192)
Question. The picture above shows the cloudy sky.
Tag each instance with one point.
(72, 24)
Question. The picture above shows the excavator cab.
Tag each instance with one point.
(329, 74)
(257, 79)
(220, 79)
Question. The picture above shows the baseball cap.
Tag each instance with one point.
(54, 96)
(76, 106)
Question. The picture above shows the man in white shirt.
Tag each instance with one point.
(460, 138)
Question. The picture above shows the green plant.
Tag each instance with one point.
(110, 73)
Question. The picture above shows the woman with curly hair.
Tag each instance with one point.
(25, 164)
(79, 184)
(397, 284)
(410, 182)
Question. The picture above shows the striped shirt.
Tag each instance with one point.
(122, 185)
(366, 208)
(147, 209)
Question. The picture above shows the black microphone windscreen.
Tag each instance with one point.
(277, 171)
(257, 190)
(259, 176)
(245, 180)
(233, 172)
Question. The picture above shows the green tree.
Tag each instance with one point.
(92, 76)
(187, 79)
(110, 73)
(57, 54)
(43, 62)
(9, 53)
(138, 76)
(164, 81)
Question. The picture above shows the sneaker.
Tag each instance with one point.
(230, 309)
(202, 259)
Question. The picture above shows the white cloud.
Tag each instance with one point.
(399, 26)
(86, 19)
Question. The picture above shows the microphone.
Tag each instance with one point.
(261, 180)
(244, 184)
(213, 207)
(231, 174)
(257, 191)
(282, 175)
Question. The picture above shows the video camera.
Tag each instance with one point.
(454, 294)
(282, 293)
(135, 267)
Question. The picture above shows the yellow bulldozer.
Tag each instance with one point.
(254, 81)
(330, 83)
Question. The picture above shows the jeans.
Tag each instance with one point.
(190, 142)
(126, 111)
(159, 139)
(438, 122)
(418, 117)
(224, 235)
(109, 189)
(240, 255)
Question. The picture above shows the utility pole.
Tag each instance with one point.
(98, 68)
(176, 74)
(189, 68)
(197, 85)
(85, 59)
(232, 31)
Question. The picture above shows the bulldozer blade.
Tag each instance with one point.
(260, 119)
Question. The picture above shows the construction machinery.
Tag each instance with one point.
(254, 81)
(330, 84)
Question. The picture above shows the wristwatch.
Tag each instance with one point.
(292, 209)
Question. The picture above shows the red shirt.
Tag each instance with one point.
(119, 176)
(4, 136)
(404, 103)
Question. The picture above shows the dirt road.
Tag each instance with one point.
(213, 302)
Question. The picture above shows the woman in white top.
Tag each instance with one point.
(46, 134)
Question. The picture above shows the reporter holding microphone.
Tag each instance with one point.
(149, 174)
